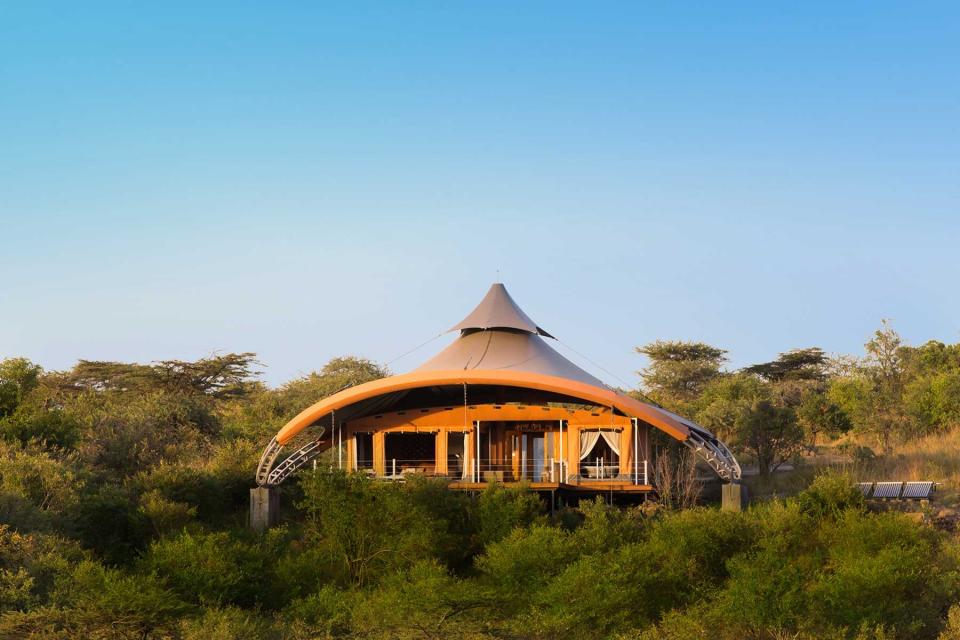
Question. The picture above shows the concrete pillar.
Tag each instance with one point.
(264, 507)
(733, 497)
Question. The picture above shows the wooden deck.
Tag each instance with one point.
(618, 487)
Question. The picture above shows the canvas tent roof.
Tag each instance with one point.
(498, 310)
(499, 350)
(499, 353)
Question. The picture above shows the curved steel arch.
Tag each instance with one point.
(712, 450)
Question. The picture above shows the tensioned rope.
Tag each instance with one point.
(609, 373)
(416, 348)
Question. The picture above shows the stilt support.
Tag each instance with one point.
(733, 497)
(264, 507)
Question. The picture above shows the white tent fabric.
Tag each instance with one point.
(613, 440)
(588, 440)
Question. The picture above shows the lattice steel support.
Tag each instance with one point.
(268, 475)
(716, 454)
(267, 459)
(295, 461)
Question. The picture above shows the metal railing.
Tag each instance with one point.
(552, 471)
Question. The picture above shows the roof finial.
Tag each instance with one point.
(498, 274)
(498, 310)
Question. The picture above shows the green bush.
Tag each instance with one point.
(53, 428)
(324, 613)
(523, 562)
(883, 570)
(165, 515)
(38, 486)
(501, 510)
(373, 529)
(424, 601)
(96, 603)
(830, 495)
(214, 569)
(109, 521)
(30, 565)
(228, 624)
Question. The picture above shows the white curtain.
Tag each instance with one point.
(588, 440)
(613, 440)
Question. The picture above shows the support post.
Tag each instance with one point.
(264, 507)
(636, 452)
(563, 460)
(477, 422)
(733, 497)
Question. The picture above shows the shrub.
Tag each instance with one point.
(883, 570)
(326, 612)
(523, 562)
(952, 629)
(425, 602)
(373, 529)
(37, 485)
(831, 494)
(109, 521)
(603, 526)
(53, 428)
(165, 515)
(29, 566)
(212, 569)
(96, 603)
(501, 510)
(228, 624)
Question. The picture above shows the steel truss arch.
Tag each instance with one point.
(270, 475)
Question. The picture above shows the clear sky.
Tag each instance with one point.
(311, 179)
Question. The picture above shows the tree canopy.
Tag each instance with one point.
(124, 494)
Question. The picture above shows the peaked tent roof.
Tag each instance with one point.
(498, 310)
(506, 350)
(500, 345)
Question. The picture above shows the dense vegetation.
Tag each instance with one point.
(124, 488)
(772, 412)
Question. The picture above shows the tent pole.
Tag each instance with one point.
(563, 461)
(636, 452)
(477, 422)
(336, 434)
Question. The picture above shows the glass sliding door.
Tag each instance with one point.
(456, 458)
(538, 456)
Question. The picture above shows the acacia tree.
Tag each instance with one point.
(679, 371)
(770, 433)
(798, 364)
(798, 381)
(818, 415)
(745, 411)
(219, 376)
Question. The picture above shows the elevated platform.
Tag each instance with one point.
(619, 487)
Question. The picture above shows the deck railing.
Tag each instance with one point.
(553, 471)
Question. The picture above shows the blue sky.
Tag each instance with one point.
(311, 179)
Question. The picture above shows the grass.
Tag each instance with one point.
(934, 457)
